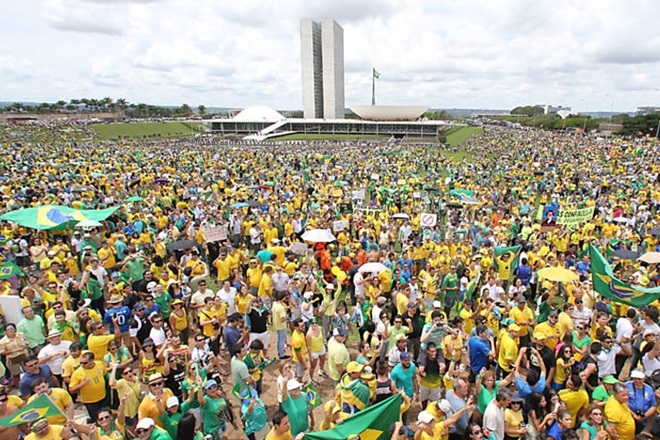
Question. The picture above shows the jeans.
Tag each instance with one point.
(281, 342)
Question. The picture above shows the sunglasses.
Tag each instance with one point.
(127, 371)
(516, 403)
(158, 321)
(580, 328)
(140, 431)
(4, 400)
(479, 431)
(200, 340)
(156, 384)
(100, 419)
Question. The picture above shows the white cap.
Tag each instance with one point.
(425, 417)
(445, 407)
(151, 286)
(637, 374)
(308, 295)
(172, 401)
(329, 287)
(293, 384)
(437, 305)
(145, 423)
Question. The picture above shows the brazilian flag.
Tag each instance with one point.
(39, 408)
(9, 269)
(506, 268)
(372, 423)
(313, 395)
(611, 287)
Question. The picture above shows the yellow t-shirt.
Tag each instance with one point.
(95, 389)
(552, 334)
(519, 316)
(575, 401)
(207, 315)
(266, 287)
(54, 434)
(619, 415)
(272, 435)
(98, 344)
(299, 345)
(254, 276)
(148, 407)
(223, 269)
(508, 352)
(241, 302)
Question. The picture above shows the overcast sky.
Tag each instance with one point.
(591, 55)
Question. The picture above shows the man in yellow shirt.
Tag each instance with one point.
(42, 430)
(60, 398)
(524, 317)
(254, 276)
(89, 381)
(508, 349)
(266, 285)
(97, 342)
(107, 256)
(148, 407)
(617, 412)
(222, 266)
(575, 398)
(550, 330)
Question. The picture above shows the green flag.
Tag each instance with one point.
(315, 399)
(9, 269)
(39, 408)
(610, 287)
(376, 73)
(506, 260)
(372, 423)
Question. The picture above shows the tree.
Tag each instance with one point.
(528, 110)
(201, 110)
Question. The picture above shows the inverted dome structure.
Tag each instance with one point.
(258, 113)
(389, 112)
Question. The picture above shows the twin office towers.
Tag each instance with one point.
(322, 44)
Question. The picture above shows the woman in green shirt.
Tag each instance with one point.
(214, 410)
(486, 387)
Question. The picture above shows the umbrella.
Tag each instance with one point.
(181, 245)
(269, 183)
(97, 174)
(88, 224)
(318, 236)
(401, 216)
(240, 205)
(253, 203)
(341, 183)
(621, 220)
(650, 257)
(470, 200)
(558, 274)
(454, 205)
(79, 189)
(135, 199)
(298, 248)
(372, 268)
(161, 180)
(654, 231)
(461, 192)
(625, 254)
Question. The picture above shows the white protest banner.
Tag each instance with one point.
(359, 195)
(215, 233)
(339, 225)
(428, 220)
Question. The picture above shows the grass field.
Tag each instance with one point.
(457, 135)
(141, 130)
(326, 137)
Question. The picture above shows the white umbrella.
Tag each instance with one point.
(650, 257)
(298, 248)
(89, 224)
(372, 268)
(318, 236)
(401, 216)
(621, 220)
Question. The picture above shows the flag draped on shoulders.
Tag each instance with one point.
(39, 408)
(507, 259)
(353, 394)
(616, 290)
(372, 423)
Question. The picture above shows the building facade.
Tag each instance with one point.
(322, 55)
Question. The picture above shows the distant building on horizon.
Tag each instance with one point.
(641, 111)
(322, 51)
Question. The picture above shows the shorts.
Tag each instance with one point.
(263, 337)
(318, 354)
(431, 394)
(300, 372)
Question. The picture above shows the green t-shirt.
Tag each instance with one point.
(544, 311)
(188, 386)
(171, 421)
(593, 432)
(213, 413)
(135, 269)
(164, 301)
(485, 396)
(600, 394)
(255, 420)
(450, 282)
(297, 410)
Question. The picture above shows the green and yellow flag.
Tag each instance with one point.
(616, 290)
(39, 408)
(376, 73)
(372, 423)
(313, 395)
(9, 269)
(506, 260)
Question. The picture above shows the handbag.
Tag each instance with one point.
(16, 359)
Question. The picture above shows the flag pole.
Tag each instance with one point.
(373, 88)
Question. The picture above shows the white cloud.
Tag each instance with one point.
(474, 53)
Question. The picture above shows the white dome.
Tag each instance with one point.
(258, 113)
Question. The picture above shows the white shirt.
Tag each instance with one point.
(198, 297)
(359, 288)
(624, 329)
(158, 336)
(494, 420)
(584, 316)
(606, 361)
(228, 297)
(280, 281)
(62, 351)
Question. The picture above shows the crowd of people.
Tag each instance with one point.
(200, 307)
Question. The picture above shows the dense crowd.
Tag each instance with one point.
(163, 322)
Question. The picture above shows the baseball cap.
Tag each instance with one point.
(145, 423)
(354, 367)
(404, 356)
(329, 287)
(437, 305)
(637, 374)
(172, 401)
(610, 379)
(514, 328)
(338, 332)
(425, 417)
(138, 306)
(540, 336)
(210, 383)
(293, 384)
(445, 407)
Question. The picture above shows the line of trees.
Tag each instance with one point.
(120, 106)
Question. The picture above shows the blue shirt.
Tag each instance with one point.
(479, 350)
(25, 385)
(403, 378)
(123, 313)
(457, 404)
(555, 431)
(232, 335)
(264, 256)
(525, 390)
(640, 399)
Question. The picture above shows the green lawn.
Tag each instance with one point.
(147, 130)
(457, 135)
(325, 137)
